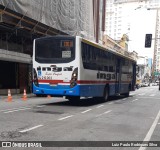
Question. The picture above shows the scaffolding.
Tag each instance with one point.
(73, 17)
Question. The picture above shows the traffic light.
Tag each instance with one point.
(148, 40)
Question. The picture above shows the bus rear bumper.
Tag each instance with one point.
(57, 92)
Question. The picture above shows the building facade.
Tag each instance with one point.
(118, 16)
(156, 56)
(118, 22)
(23, 21)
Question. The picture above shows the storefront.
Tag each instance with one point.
(16, 72)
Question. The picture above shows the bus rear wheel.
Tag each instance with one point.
(73, 98)
(39, 95)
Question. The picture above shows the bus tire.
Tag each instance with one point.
(73, 98)
(106, 94)
(38, 95)
(41, 95)
(126, 94)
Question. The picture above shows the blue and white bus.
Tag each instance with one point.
(75, 67)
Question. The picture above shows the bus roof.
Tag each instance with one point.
(107, 49)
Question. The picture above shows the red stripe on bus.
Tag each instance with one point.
(80, 81)
(52, 81)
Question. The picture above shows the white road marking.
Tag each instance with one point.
(86, 111)
(26, 130)
(135, 100)
(142, 94)
(40, 106)
(65, 117)
(124, 99)
(149, 98)
(12, 109)
(152, 95)
(15, 110)
(100, 106)
(118, 100)
(151, 130)
(111, 103)
(104, 113)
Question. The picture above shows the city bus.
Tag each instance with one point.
(75, 67)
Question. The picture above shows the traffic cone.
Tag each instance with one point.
(24, 95)
(9, 96)
(48, 96)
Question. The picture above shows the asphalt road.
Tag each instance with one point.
(135, 118)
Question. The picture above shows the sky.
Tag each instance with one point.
(143, 22)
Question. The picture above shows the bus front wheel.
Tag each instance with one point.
(126, 94)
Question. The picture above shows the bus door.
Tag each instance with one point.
(118, 76)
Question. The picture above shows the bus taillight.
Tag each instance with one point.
(35, 78)
(74, 78)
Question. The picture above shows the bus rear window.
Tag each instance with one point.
(55, 50)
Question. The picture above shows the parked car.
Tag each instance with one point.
(138, 86)
(157, 82)
(145, 84)
(154, 84)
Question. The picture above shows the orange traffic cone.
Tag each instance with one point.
(9, 96)
(24, 95)
(48, 96)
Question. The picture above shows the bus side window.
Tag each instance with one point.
(111, 69)
(105, 68)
